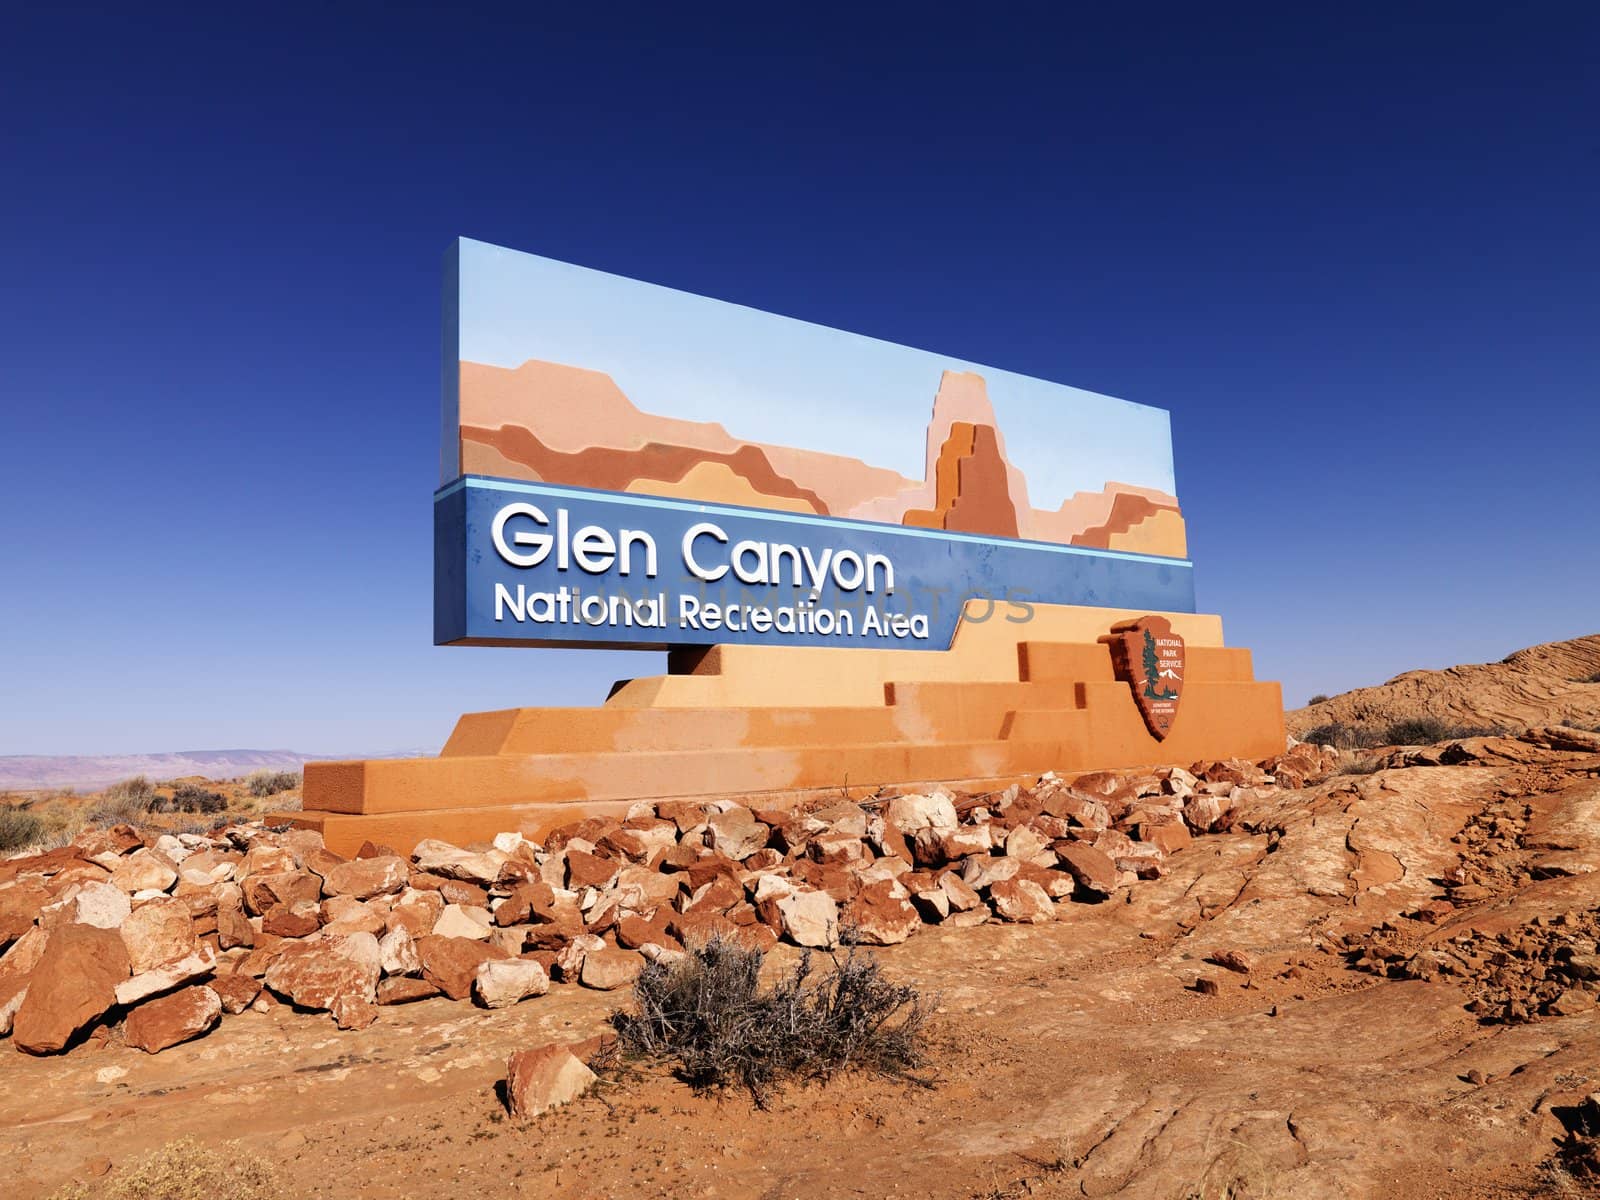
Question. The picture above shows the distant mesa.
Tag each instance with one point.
(539, 422)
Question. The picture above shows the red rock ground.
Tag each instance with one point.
(1072, 1058)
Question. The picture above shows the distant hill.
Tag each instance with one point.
(1557, 683)
(34, 772)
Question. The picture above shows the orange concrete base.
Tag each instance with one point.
(1007, 702)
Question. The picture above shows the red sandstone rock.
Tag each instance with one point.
(235, 992)
(1167, 838)
(697, 928)
(346, 914)
(144, 870)
(315, 972)
(1021, 900)
(158, 1024)
(350, 1011)
(157, 932)
(880, 915)
(233, 927)
(736, 833)
(19, 908)
(608, 970)
(366, 877)
(73, 984)
(590, 870)
(167, 976)
(449, 963)
(1093, 869)
(403, 990)
(542, 1079)
(298, 921)
(633, 932)
(262, 892)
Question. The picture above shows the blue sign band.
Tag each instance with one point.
(540, 565)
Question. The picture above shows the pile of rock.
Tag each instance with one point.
(1547, 968)
(156, 938)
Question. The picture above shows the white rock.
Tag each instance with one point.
(810, 919)
(911, 813)
(464, 921)
(99, 904)
(166, 977)
(500, 983)
(441, 858)
(979, 873)
(171, 849)
(397, 953)
(144, 871)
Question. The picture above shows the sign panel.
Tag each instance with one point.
(1149, 655)
(626, 465)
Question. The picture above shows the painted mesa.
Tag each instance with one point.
(871, 566)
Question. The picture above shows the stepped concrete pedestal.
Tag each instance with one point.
(1007, 702)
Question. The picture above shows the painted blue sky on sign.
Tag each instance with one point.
(773, 379)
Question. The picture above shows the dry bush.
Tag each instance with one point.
(186, 1170)
(708, 1014)
(62, 821)
(1413, 731)
(123, 803)
(137, 790)
(19, 828)
(1425, 731)
(1341, 736)
(269, 783)
(1319, 698)
(1595, 678)
(190, 798)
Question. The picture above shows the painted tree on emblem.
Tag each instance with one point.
(1152, 671)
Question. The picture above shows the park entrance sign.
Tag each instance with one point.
(871, 567)
(627, 464)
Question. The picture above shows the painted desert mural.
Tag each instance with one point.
(555, 423)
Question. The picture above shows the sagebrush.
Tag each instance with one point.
(19, 828)
(123, 803)
(186, 1170)
(709, 1016)
(1413, 731)
(269, 783)
(189, 798)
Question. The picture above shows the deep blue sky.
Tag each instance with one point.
(1354, 250)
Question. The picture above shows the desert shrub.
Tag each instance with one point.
(124, 803)
(1424, 731)
(1595, 678)
(270, 783)
(708, 1014)
(1413, 731)
(186, 1170)
(19, 828)
(1342, 737)
(191, 798)
(1319, 698)
(136, 793)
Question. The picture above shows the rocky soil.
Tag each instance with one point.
(1552, 684)
(1371, 985)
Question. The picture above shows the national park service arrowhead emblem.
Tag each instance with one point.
(1149, 655)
